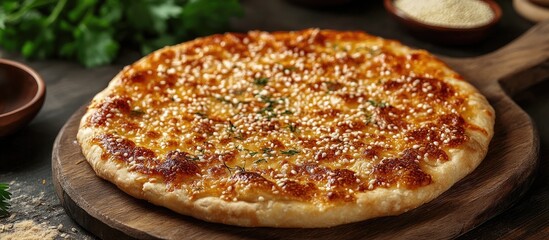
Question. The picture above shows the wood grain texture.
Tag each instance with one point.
(500, 180)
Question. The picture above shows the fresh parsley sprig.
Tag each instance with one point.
(93, 31)
(5, 196)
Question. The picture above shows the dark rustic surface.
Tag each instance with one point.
(25, 156)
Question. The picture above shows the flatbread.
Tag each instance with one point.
(312, 128)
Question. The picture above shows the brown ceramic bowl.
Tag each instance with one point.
(22, 93)
(444, 35)
(532, 10)
(544, 3)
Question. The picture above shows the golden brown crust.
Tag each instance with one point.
(265, 129)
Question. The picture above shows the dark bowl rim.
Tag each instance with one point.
(494, 6)
(40, 92)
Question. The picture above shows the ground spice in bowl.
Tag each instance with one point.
(448, 13)
(448, 22)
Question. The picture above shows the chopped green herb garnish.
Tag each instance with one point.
(253, 153)
(235, 168)
(231, 127)
(234, 104)
(367, 115)
(201, 151)
(203, 115)
(378, 104)
(287, 112)
(223, 100)
(260, 160)
(234, 131)
(368, 118)
(267, 151)
(270, 104)
(239, 137)
(290, 152)
(292, 127)
(269, 108)
(269, 115)
(194, 158)
(261, 81)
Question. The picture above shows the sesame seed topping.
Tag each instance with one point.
(278, 112)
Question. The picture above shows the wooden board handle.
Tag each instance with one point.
(520, 64)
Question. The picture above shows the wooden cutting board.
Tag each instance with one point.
(500, 180)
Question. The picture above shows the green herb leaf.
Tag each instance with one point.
(92, 31)
(234, 131)
(231, 127)
(271, 104)
(204, 17)
(151, 16)
(267, 151)
(261, 81)
(193, 157)
(378, 104)
(287, 112)
(2, 19)
(223, 100)
(96, 47)
(292, 127)
(5, 196)
(258, 161)
(200, 114)
(236, 168)
(290, 152)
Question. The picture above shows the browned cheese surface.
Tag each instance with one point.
(313, 115)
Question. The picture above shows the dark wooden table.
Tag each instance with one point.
(25, 157)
